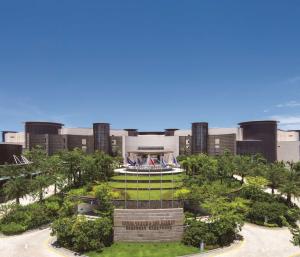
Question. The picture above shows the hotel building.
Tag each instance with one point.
(250, 137)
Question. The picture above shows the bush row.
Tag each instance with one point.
(21, 218)
(81, 234)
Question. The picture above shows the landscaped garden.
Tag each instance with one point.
(216, 201)
(171, 249)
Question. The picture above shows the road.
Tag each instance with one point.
(260, 242)
(28, 199)
(30, 244)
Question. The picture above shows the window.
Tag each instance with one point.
(84, 148)
(83, 141)
(217, 141)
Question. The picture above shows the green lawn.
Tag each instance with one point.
(145, 250)
(177, 177)
(154, 194)
(166, 192)
(145, 185)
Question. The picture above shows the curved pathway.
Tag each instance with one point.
(259, 241)
(31, 244)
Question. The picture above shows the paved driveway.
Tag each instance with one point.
(30, 244)
(260, 242)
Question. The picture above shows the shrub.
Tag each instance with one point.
(266, 212)
(292, 215)
(182, 193)
(198, 231)
(30, 216)
(38, 215)
(104, 195)
(78, 192)
(296, 236)
(81, 234)
(62, 228)
(18, 214)
(12, 228)
(255, 194)
(68, 208)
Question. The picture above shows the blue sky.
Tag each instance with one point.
(149, 64)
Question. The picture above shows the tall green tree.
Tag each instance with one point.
(243, 166)
(38, 169)
(55, 168)
(291, 183)
(275, 175)
(73, 165)
(17, 184)
(226, 165)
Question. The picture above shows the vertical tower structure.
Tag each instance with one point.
(199, 137)
(263, 137)
(102, 137)
(45, 134)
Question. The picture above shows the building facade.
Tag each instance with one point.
(250, 137)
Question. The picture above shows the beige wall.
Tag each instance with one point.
(170, 143)
(287, 135)
(288, 151)
(76, 131)
(15, 138)
(148, 225)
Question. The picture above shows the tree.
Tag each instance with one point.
(54, 167)
(225, 165)
(73, 164)
(17, 184)
(275, 175)
(227, 217)
(39, 185)
(104, 195)
(38, 169)
(243, 165)
(291, 183)
(99, 166)
(201, 166)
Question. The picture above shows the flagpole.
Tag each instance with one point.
(137, 189)
(125, 189)
(172, 187)
(149, 187)
(160, 187)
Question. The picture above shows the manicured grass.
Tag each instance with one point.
(177, 177)
(154, 194)
(145, 185)
(145, 250)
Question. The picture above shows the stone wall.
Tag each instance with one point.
(148, 225)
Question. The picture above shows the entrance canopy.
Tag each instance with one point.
(150, 151)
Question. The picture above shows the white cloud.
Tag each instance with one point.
(289, 104)
(288, 122)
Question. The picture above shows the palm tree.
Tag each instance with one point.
(17, 184)
(291, 183)
(275, 175)
(54, 167)
(243, 166)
